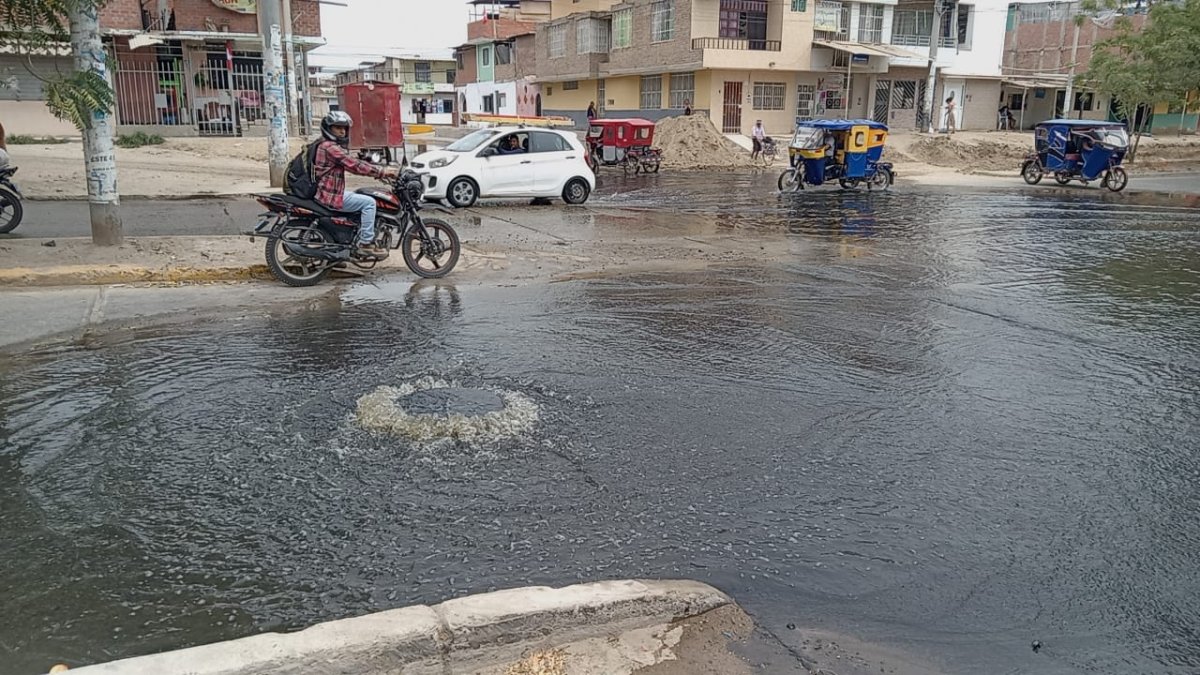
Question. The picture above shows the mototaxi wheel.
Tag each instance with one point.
(462, 192)
(882, 178)
(1031, 172)
(296, 270)
(848, 183)
(1062, 178)
(1116, 179)
(11, 211)
(790, 181)
(435, 256)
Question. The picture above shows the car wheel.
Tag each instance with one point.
(462, 192)
(576, 191)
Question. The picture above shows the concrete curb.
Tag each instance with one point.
(460, 635)
(86, 275)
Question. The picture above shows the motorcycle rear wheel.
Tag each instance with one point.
(10, 204)
(294, 270)
(440, 252)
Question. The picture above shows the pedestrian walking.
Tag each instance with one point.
(591, 111)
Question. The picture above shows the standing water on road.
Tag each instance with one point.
(951, 424)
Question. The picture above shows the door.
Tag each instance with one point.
(955, 87)
(507, 174)
(731, 120)
(883, 99)
(553, 159)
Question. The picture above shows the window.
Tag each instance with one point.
(870, 24)
(423, 71)
(601, 92)
(485, 56)
(1083, 100)
(662, 21)
(570, 85)
(504, 53)
(683, 89)
(651, 92)
(964, 26)
(840, 59)
(799, 5)
(489, 104)
(501, 100)
(769, 95)
(622, 29)
(458, 59)
(805, 98)
(1016, 102)
(593, 36)
(831, 18)
(544, 141)
(911, 28)
(744, 19)
(450, 76)
(556, 46)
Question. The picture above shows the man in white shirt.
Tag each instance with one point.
(757, 135)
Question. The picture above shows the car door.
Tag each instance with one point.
(552, 159)
(506, 175)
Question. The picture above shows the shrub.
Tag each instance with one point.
(138, 139)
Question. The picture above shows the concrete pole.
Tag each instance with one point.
(100, 162)
(935, 38)
(273, 90)
(1069, 98)
(289, 63)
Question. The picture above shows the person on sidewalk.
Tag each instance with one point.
(330, 165)
(687, 108)
(591, 111)
(758, 135)
(950, 118)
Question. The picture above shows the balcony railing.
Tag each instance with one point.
(737, 44)
(920, 41)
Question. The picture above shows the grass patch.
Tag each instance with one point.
(22, 139)
(138, 140)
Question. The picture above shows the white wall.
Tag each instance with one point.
(987, 43)
(476, 91)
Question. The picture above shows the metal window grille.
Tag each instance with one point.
(769, 95)
(662, 20)
(651, 98)
(799, 5)
(831, 20)
(601, 104)
(683, 89)
(904, 95)
(593, 36)
(423, 71)
(557, 45)
(570, 85)
(806, 95)
(622, 29)
(745, 19)
(870, 24)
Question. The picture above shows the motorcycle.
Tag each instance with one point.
(11, 210)
(306, 240)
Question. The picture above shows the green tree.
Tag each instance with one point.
(38, 26)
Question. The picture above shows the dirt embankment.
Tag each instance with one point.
(694, 143)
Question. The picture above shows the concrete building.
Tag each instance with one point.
(1039, 40)
(498, 63)
(776, 60)
(426, 82)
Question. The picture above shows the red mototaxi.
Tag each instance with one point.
(625, 142)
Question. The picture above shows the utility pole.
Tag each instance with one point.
(1069, 97)
(935, 40)
(100, 161)
(289, 64)
(273, 89)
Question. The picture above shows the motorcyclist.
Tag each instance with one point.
(329, 166)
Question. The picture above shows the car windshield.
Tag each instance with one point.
(471, 141)
(808, 138)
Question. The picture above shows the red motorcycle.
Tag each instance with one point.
(306, 240)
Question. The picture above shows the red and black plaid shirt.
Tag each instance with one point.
(330, 167)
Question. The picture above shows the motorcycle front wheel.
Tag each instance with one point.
(435, 256)
(11, 211)
(291, 269)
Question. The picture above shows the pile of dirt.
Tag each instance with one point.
(965, 156)
(694, 143)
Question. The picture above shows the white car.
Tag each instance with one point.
(508, 162)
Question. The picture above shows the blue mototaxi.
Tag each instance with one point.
(848, 151)
(1082, 150)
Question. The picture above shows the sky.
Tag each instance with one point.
(367, 28)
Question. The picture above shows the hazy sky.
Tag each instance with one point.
(366, 27)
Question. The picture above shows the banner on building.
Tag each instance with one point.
(417, 88)
(239, 6)
(828, 18)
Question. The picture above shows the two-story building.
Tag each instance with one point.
(739, 61)
(497, 64)
(426, 82)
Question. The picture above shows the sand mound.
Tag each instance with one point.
(694, 143)
(947, 151)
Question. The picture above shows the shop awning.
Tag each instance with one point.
(886, 51)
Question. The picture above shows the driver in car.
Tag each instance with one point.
(511, 146)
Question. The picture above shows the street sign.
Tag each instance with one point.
(860, 58)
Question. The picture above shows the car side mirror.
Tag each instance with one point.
(488, 152)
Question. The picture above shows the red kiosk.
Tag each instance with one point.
(378, 131)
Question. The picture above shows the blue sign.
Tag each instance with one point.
(859, 58)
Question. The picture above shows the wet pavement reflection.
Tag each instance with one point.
(949, 422)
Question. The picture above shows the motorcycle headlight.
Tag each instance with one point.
(442, 161)
(415, 189)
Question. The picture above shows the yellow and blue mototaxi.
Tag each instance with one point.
(848, 151)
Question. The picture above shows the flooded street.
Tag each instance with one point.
(947, 422)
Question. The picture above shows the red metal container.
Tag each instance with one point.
(375, 108)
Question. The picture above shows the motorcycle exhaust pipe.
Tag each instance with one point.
(328, 253)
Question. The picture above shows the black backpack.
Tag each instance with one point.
(299, 180)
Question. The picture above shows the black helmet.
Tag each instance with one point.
(337, 118)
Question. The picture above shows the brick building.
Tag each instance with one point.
(426, 82)
(497, 65)
(194, 67)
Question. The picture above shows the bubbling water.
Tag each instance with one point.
(383, 411)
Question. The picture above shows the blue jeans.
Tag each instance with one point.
(365, 205)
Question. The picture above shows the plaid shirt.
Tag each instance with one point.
(330, 167)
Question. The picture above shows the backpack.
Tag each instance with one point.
(299, 180)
